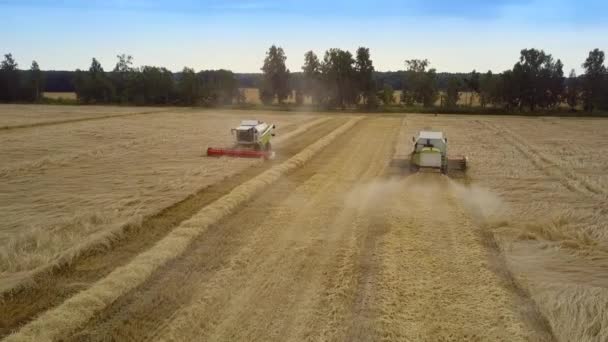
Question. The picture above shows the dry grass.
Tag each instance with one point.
(86, 179)
(77, 310)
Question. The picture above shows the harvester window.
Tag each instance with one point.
(245, 135)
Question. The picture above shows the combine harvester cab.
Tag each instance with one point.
(252, 141)
(431, 152)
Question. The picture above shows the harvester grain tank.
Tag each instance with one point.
(252, 140)
(431, 152)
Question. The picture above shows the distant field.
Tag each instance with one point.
(12, 116)
(60, 95)
(252, 96)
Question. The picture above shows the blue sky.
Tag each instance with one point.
(234, 34)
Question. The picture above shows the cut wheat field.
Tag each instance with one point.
(115, 226)
(63, 184)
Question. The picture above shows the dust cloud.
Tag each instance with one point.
(484, 206)
(375, 194)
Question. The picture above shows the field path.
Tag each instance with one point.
(338, 250)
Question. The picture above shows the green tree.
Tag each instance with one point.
(407, 93)
(573, 91)
(472, 84)
(80, 84)
(364, 70)
(539, 79)
(93, 86)
(339, 77)
(154, 85)
(593, 79)
(311, 69)
(508, 91)
(188, 87)
(420, 84)
(124, 78)
(386, 95)
(218, 87)
(452, 92)
(100, 86)
(276, 76)
(36, 82)
(9, 79)
(266, 95)
(489, 89)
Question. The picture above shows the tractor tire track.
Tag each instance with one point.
(51, 287)
(434, 282)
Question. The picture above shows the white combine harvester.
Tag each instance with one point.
(431, 152)
(252, 141)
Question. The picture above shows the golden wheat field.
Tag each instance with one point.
(115, 226)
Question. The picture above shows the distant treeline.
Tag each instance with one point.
(338, 80)
(63, 81)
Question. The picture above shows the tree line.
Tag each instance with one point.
(20, 87)
(340, 79)
(125, 84)
(151, 85)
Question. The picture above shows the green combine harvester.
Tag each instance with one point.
(431, 152)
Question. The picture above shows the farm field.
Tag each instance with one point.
(90, 177)
(19, 116)
(252, 96)
(332, 240)
(60, 95)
